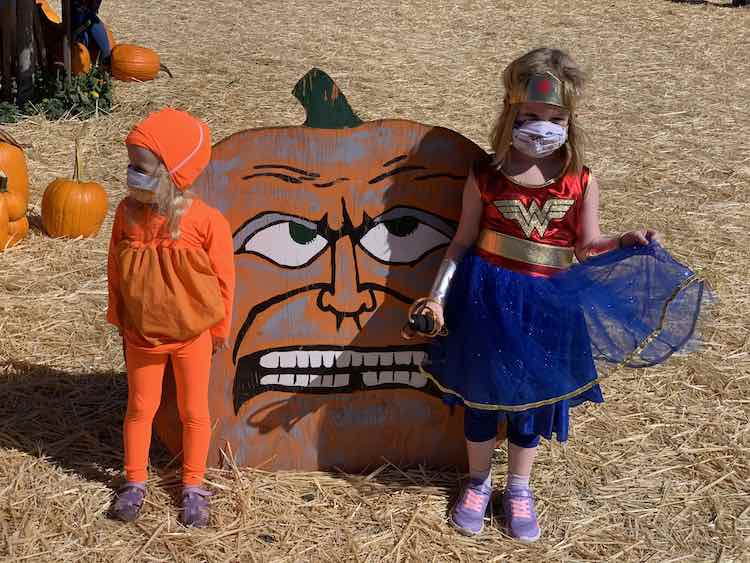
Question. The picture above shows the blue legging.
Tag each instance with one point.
(480, 426)
(94, 30)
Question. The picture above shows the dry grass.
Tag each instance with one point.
(661, 472)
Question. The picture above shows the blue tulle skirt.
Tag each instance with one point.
(527, 345)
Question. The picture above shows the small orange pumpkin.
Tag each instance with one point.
(71, 208)
(13, 170)
(18, 230)
(80, 59)
(135, 63)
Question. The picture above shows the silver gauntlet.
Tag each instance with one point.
(443, 279)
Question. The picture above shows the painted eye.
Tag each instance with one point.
(287, 243)
(402, 240)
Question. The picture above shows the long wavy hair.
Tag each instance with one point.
(515, 79)
(170, 201)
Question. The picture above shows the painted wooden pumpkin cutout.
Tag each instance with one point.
(338, 226)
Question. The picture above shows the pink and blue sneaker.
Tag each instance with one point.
(467, 515)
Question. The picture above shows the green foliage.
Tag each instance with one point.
(55, 99)
(8, 113)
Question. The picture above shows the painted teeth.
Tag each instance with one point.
(305, 380)
(328, 359)
(270, 360)
(413, 378)
(370, 379)
(341, 359)
(393, 362)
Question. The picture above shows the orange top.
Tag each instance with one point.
(164, 292)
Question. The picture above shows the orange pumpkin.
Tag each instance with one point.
(18, 230)
(339, 225)
(134, 63)
(71, 208)
(13, 169)
(80, 59)
(48, 11)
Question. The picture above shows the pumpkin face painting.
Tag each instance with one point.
(338, 226)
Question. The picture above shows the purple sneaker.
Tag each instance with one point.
(128, 502)
(520, 515)
(467, 515)
(195, 507)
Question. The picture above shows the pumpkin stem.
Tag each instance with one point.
(3, 182)
(165, 69)
(325, 104)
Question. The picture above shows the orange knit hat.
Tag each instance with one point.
(180, 140)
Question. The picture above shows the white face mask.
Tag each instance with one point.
(537, 139)
(141, 181)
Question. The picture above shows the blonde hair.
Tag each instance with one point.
(171, 202)
(515, 79)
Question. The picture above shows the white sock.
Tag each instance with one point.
(517, 481)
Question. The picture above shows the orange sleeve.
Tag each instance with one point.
(220, 250)
(114, 305)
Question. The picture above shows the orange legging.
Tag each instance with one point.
(191, 364)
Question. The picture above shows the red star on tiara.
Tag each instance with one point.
(545, 87)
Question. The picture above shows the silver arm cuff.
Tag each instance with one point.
(443, 279)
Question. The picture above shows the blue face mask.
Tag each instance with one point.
(141, 181)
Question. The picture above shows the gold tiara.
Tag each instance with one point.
(545, 88)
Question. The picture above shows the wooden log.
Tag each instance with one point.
(25, 50)
(43, 61)
(7, 28)
(68, 37)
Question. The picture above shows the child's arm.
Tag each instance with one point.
(590, 240)
(113, 274)
(220, 252)
(468, 225)
(463, 240)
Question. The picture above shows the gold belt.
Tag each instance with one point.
(526, 251)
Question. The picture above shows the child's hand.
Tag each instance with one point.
(436, 310)
(219, 343)
(425, 319)
(639, 238)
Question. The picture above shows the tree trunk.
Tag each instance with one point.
(25, 58)
(7, 48)
(40, 44)
(68, 38)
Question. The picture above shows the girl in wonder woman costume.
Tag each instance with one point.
(171, 285)
(522, 328)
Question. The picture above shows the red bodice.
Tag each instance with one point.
(545, 216)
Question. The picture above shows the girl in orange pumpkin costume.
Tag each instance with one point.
(171, 285)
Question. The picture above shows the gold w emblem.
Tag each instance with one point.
(534, 217)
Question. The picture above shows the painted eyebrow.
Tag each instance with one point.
(285, 177)
(399, 158)
(399, 170)
(285, 167)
